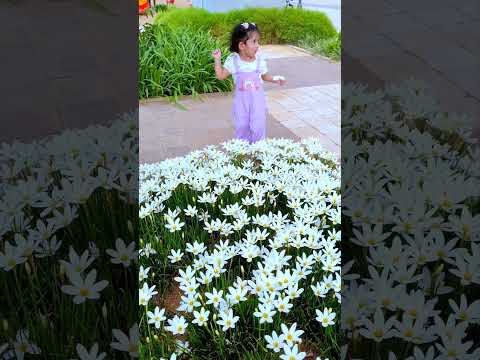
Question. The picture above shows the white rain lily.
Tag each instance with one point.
(156, 317)
(23, 345)
(123, 254)
(126, 343)
(177, 325)
(84, 354)
(83, 289)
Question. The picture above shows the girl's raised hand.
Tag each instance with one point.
(217, 54)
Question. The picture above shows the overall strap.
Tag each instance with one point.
(258, 63)
(235, 62)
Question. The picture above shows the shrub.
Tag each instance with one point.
(243, 218)
(277, 25)
(177, 61)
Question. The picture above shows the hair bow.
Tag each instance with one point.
(246, 25)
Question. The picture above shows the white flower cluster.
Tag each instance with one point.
(284, 249)
(45, 187)
(410, 188)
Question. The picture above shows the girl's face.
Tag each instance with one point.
(250, 47)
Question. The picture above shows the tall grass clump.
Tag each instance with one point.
(177, 61)
(330, 47)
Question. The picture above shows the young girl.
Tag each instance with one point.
(248, 71)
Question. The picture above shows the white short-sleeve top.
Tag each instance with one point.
(245, 66)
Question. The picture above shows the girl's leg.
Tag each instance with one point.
(241, 120)
(242, 128)
(258, 119)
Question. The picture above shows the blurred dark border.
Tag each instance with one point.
(68, 135)
(65, 64)
(430, 51)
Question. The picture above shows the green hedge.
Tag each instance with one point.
(278, 26)
(178, 61)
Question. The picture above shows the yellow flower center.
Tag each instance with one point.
(452, 353)
(84, 292)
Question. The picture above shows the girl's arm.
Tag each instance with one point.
(220, 72)
(268, 77)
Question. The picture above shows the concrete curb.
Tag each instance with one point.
(313, 54)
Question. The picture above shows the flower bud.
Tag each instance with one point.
(130, 226)
(5, 325)
(104, 311)
(217, 333)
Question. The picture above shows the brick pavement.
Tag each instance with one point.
(430, 41)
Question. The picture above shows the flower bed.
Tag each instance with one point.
(239, 253)
(67, 275)
(411, 221)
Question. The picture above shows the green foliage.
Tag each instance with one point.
(177, 61)
(330, 47)
(159, 8)
(277, 25)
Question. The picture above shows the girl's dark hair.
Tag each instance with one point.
(241, 34)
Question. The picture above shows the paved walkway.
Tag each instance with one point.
(436, 42)
(308, 106)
